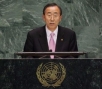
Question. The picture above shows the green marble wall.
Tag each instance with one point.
(17, 17)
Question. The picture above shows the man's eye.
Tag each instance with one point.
(55, 15)
(49, 15)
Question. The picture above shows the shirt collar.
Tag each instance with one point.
(49, 32)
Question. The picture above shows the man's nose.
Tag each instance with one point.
(52, 18)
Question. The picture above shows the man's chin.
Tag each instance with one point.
(52, 26)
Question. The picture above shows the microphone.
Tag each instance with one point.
(50, 50)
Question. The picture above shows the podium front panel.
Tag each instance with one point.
(50, 74)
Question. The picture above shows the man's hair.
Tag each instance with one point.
(52, 4)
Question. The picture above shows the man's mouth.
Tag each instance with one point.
(52, 23)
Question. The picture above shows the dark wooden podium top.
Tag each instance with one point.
(50, 53)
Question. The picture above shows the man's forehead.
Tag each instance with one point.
(52, 9)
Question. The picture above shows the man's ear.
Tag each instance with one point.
(60, 17)
(43, 17)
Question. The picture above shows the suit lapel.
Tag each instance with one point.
(60, 39)
(43, 39)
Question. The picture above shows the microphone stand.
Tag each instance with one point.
(47, 55)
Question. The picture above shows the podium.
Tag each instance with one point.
(56, 54)
(23, 73)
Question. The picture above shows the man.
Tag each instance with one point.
(41, 40)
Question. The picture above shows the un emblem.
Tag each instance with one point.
(51, 74)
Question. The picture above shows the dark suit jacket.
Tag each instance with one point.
(37, 40)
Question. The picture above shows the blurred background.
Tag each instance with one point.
(17, 17)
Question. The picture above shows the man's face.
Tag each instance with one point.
(52, 17)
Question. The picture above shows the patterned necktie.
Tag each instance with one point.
(52, 44)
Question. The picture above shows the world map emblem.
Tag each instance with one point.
(51, 74)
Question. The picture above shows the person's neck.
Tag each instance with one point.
(52, 30)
